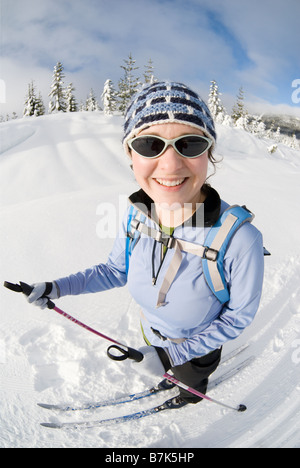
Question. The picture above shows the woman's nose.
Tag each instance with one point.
(171, 160)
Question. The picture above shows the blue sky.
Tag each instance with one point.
(254, 44)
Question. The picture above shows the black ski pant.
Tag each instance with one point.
(194, 373)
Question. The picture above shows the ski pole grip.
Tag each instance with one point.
(129, 353)
(25, 289)
(12, 286)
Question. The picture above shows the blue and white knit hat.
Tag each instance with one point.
(167, 102)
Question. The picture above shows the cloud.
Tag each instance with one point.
(237, 43)
(269, 32)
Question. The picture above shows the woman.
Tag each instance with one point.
(169, 136)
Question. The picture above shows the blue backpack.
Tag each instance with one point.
(212, 252)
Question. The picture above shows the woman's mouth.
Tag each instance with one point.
(170, 183)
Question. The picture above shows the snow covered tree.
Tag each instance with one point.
(70, 99)
(33, 105)
(40, 108)
(148, 74)
(277, 135)
(227, 121)
(270, 131)
(82, 106)
(272, 149)
(30, 100)
(238, 110)
(242, 122)
(57, 94)
(215, 104)
(128, 85)
(91, 104)
(294, 142)
(257, 127)
(109, 97)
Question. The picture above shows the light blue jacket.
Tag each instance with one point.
(191, 312)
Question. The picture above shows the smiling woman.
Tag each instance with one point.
(169, 136)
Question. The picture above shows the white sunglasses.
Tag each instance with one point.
(153, 146)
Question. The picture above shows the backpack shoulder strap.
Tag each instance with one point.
(217, 240)
(133, 234)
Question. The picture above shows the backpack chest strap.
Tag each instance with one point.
(177, 245)
(173, 243)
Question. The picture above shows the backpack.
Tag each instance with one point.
(212, 252)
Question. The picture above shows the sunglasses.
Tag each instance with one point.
(152, 146)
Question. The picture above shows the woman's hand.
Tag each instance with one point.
(41, 293)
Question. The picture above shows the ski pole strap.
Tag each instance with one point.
(26, 289)
(128, 353)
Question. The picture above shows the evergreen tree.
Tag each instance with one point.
(57, 94)
(294, 142)
(242, 122)
(40, 108)
(109, 97)
(82, 106)
(215, 104)
(128, 85)
(148, 74)
(30, 101)
(238, 110)
(270, 131)
(277, 135)
(91, 104)
(257, 127)
(33, 105)
(70, 99)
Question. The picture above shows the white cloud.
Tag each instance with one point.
(92, 39)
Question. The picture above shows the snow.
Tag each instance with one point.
(59, 175)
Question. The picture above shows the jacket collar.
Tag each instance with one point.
(212, 206)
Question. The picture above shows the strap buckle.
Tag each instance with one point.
(167, 241)
(210, 254)
(158, 334)
(134, 224)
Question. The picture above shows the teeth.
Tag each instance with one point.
(170, 183)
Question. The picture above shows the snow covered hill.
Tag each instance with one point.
(59, 177)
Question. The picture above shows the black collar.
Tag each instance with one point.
(212, 206)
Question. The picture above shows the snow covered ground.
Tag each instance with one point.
(59, 177)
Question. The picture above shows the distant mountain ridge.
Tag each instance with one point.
(288, 124)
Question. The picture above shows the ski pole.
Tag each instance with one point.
(240, 408)
(128, 352)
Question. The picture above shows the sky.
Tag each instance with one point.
(248, 43)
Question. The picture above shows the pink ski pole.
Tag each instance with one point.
(240, 408)
(128, 352)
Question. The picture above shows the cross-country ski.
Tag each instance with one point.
(167, 405)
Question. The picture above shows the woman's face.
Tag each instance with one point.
(171, 179)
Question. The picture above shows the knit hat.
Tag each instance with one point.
(167, 102)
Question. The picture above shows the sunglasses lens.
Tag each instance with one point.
(148, 146)
(191, 146)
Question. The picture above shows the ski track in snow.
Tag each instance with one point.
(55, 172)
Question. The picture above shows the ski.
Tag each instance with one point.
(107, 422)
(162, 386)
(141, 414)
